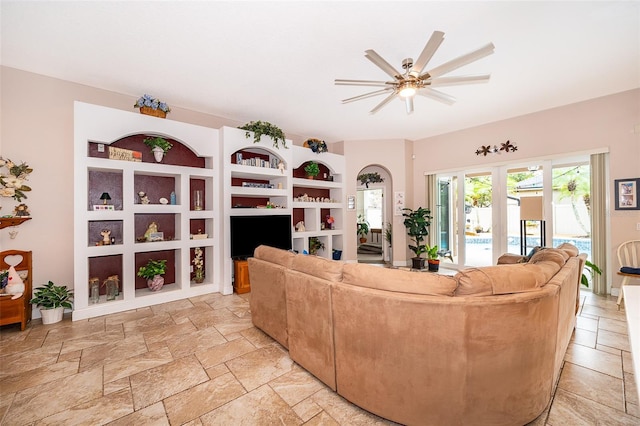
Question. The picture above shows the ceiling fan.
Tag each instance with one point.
(414, 81)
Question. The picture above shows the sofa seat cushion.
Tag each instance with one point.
(503, 279)
(370, 276)
(320, 267)
(274, 255)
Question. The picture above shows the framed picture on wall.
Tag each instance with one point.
(627, 194)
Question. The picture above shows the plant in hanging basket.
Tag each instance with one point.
(152, 106)
(316, 145)
(260, 128)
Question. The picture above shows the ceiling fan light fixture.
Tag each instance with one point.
(407, 90)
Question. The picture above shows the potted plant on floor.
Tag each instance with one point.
(153, 271)
(363, 229)
(312, 169)
(433, 257)
(417, 223)
(159, 146)
(52, 299)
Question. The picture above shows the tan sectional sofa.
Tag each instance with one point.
(484, 347)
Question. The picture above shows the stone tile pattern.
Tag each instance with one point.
(201, 362)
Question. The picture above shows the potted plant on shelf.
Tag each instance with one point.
(315, 245)
(151, 106)
(198, 265)
(417, 223)
(312, 169)
(363, 229)
(260, 128)
(52, 299)
(153, 271)
(316, 145)
(159, 146)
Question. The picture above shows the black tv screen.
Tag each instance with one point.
(248, 232)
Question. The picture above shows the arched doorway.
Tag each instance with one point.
(373, 212)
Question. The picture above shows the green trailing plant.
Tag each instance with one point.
(363, 226)
(51, 296)
(417, 223)
(260, 128)
(312, 169)
(367, 178)
(593, 270)
(159, 142)
(153, 268)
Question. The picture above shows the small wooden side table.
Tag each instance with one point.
(241, 282)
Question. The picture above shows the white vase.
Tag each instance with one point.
(158, 153)
(51, 316)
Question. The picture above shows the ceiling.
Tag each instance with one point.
(277, 61)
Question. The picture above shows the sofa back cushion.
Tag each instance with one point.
(398, 280)
(503, 279)
(274, 255)
(570, 249)
(316, 266)
(550, 254)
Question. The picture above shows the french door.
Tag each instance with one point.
(512, 208)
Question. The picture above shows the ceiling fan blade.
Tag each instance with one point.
(382, 64)
(383, 103)
(366, 95)
(453, 81)
(437, 95)
(427, 53)
(409, 103)
(461, 61)
(340, 82)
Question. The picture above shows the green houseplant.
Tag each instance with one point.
(593, 270)
(52, 299)
(312, 169)
(417, 223)
(159, 146)
(363, 229)
(433, 257)
(260, 128)
(315, 245)
(153, 271)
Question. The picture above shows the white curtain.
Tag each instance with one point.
(598, 219)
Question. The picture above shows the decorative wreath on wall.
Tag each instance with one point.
(367, 178)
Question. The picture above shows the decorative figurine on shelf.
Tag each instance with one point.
(15, 285)
(106, 237)
(281, 167)
(152, 229)
(143, 197)
(21, 210)
(300, 226)
(198, 264)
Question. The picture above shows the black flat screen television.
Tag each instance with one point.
(248, 232)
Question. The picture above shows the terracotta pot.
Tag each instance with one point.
(434, 265)
(363, 240)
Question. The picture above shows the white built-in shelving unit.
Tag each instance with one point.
(95, 128)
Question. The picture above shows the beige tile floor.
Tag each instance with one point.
(200, 361)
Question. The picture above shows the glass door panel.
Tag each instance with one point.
(478, 219)
(524, 182)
